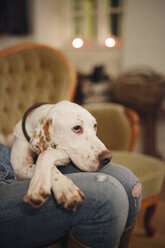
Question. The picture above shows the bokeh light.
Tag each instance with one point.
(77, 42)
(110, 42)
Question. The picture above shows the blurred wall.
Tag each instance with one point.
(144, 34)
(143, 40)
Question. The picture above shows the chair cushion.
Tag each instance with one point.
(111, 120)
(148, 169)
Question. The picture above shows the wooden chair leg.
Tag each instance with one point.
(149, 212)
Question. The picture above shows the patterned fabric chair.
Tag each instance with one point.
(32, 73)
(118, 129)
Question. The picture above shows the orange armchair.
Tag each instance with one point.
(118, 128)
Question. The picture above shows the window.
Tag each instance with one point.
(84, 18)
(95, 20)
(115, 13)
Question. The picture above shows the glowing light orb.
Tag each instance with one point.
(110, 42)
(77, 43)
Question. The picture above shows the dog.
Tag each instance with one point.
(53, 135)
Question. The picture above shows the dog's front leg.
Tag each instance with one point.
(22, 159)
(40, 185)
(65, 191)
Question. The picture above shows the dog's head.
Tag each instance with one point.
(72, 128)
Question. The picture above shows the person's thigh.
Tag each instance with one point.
(129, 181)
(97, 223)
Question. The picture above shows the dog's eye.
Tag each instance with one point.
(77, 129)
(95, 126)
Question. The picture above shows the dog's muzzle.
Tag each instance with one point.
(104, 158)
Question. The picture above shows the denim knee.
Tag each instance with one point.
(104, 210)
(129, 181)
(132, 186)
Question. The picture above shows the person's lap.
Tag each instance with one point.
(100, 219)
(21, 224)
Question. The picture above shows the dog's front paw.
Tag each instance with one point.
(38, 192)
(36, 199)
(66, 192)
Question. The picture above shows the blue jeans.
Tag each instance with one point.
(108, 208)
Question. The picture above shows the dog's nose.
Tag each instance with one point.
(104, 158)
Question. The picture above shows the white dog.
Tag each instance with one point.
(57, 134)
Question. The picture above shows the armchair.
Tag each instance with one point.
(118, 128)
(31, 73)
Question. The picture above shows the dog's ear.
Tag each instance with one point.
(41, 140)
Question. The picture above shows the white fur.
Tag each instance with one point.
(82, 148)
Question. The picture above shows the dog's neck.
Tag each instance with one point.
(28, 111)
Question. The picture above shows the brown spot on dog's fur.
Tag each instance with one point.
(40, 141)
(35, 203)
(62, 199)
(43, 143)
(43, 193)
(46, 129)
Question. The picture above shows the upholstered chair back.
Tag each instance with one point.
(32, 73)
(118, 126)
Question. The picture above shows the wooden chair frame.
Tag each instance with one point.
(150, 204)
